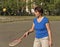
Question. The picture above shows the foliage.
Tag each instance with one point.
(52, 7)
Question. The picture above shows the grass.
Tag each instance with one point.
(54, 18)
(6, 19)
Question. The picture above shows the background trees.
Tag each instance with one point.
(24, 7)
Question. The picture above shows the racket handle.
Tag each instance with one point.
(22, 37)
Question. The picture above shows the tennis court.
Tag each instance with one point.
(11, 31)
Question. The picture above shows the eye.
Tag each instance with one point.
(36, 11)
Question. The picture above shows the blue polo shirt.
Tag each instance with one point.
(40, 27)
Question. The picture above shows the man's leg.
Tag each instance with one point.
(44, 42)
(36, 43)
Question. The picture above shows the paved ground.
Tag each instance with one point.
(10, 31)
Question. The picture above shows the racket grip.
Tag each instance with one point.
(22, 37)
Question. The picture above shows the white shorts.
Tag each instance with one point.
(42, 42)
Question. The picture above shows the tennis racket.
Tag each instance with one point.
(17, 41)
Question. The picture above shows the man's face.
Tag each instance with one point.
(37, 14)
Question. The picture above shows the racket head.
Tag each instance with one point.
(15, 42)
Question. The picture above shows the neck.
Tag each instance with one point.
(39, 16)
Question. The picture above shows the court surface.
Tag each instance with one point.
(11, 31)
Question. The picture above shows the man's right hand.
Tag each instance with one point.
(26, 34)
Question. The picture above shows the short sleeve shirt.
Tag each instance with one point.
(40, 27)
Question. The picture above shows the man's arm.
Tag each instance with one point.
(49, 33)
